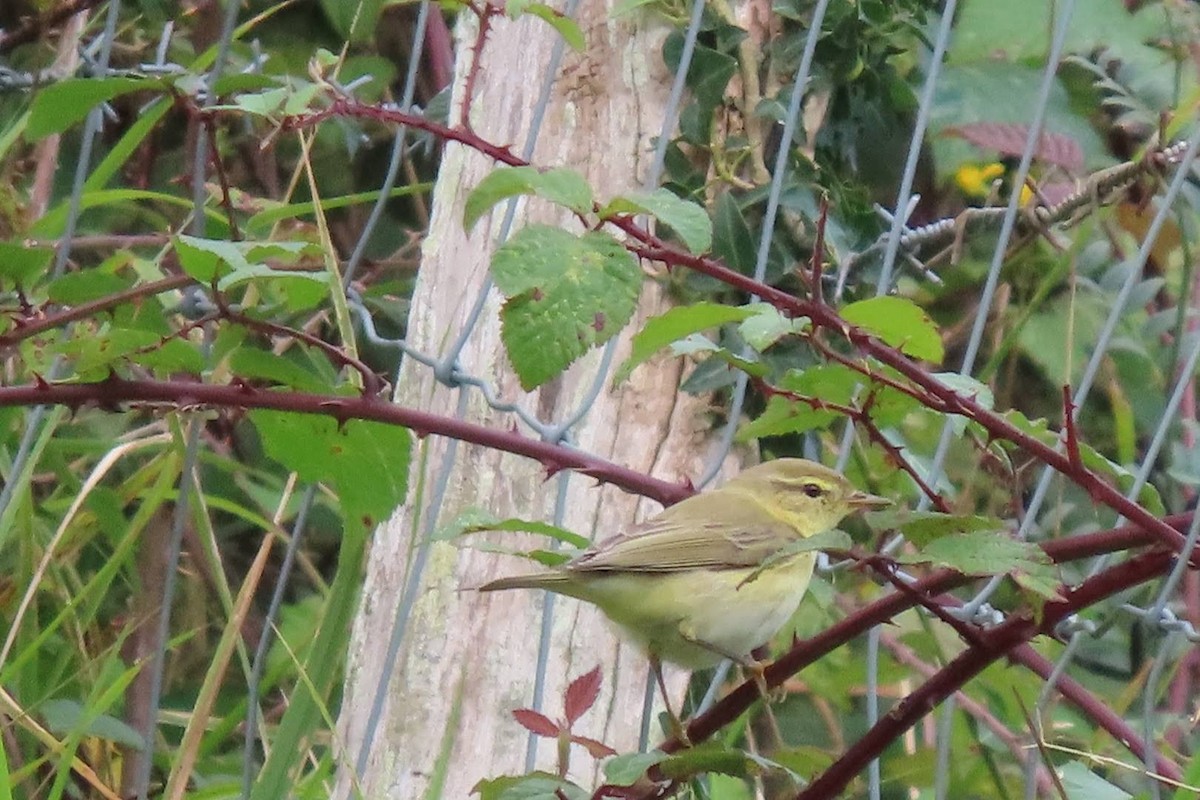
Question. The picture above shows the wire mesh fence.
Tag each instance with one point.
(1040, 427)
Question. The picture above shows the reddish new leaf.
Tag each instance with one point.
(1008, 139)
(581, 694)
(534, 722)
(595, 749)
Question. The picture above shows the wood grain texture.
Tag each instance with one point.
(468, 659)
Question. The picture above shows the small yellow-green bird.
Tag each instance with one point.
(703, 580)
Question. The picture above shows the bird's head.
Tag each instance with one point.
(813, 497)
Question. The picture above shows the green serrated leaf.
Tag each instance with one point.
(60, 105)
(1149, 497)
(767, 325)
(965, 386)
(1040, 583)
(566, 27)
(783, 416)
(534, 786)
(566, 187)
(710, 757)
(689, 220)
(833, 383)
(625, 769)
(295, 98)
(733, 242)
(94, 355)
(566, 294)
(80, 287)
(673, 325)
(697, 344)
(923, 527)
(900, 323)
(234, 263)
(249, 362)
(173, 355)
(354, 20)
(709, 75)
(207, 259)
(1080, 783)
(367, 462)
(968, 387)
(24, 265)
(301, 289)
(982, 553)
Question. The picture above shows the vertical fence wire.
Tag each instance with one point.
(904, 200)
(188, 480)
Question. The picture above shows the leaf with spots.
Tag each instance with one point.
(566, 294)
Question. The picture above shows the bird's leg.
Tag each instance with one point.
(756, 668)
(677, 728)
(758, 673)
(760, 660)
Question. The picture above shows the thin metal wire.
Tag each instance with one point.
(179, 521)
(268, 634)
(941, 770)
(398, 142)
(443, 370)
(1008, 225)
(1044, 697)
(408, 598)
(874, 785)
(1184, 378)
(1149, 704)
(188, 480)
(898, 238)
(916, 144)
(548, 605)
(904, 200)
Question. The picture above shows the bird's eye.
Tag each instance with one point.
(813, 490)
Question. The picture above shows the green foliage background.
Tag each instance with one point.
(95, 490)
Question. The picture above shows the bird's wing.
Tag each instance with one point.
(707, 531)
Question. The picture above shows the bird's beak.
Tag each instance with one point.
(859, 500)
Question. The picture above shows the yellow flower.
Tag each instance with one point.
(975, 180)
